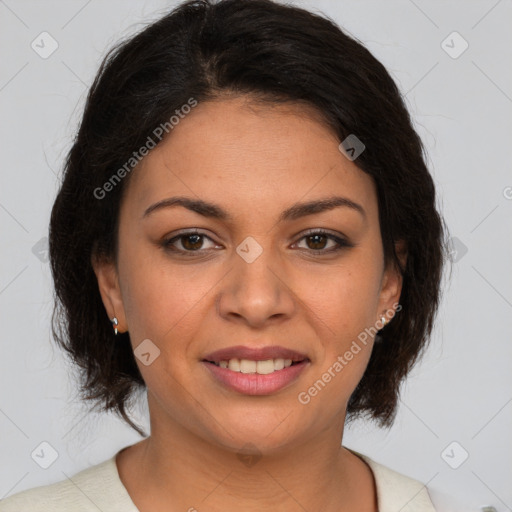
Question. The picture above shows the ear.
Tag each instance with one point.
(392, 280)
(108, 284)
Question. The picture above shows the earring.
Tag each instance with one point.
(383, 321)
(115, 324)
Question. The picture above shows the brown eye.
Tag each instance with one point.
(317, 241)
(190, 242)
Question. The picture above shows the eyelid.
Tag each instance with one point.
(186, 232)
(313, 231)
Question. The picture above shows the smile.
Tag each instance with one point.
(260, 367)
(256, 377)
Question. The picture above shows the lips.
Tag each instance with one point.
(255, 354)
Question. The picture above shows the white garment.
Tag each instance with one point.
(99, 488)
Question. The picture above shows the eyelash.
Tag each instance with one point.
(342, 243)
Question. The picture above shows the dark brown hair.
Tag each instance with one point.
(277, 53)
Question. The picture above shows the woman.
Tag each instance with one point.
(247, 229)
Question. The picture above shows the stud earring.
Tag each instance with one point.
(383, 321)
(115, 323)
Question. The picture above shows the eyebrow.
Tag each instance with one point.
(296, 211)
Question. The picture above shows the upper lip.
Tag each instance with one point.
(254, 354)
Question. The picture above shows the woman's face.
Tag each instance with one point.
(254, 277)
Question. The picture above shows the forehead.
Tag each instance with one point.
(254, 154)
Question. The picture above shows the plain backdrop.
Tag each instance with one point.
(452, 61)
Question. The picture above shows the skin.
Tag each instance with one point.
(254, 161)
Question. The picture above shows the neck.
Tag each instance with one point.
(174, 467)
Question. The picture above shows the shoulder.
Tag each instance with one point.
(396, 491)
(95, 488)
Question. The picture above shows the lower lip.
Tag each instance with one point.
(254, 383)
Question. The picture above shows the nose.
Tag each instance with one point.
(256, 292)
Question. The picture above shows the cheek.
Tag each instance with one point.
(344, 308)
(161, 300)
(344, 297)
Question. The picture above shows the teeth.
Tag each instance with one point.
(260, 367)
(234, 365)
(247, 366)
(279, 364)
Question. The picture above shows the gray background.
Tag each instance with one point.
(461, 104)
